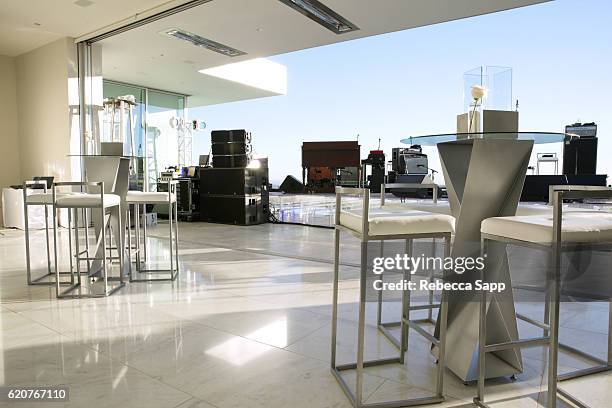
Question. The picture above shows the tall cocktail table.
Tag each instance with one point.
(484, 175)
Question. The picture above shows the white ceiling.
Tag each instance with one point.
(62, 18)
(260, 28)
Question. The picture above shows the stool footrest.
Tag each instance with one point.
(424, 307)
(584, 372)
(417, 328)
(368, 363)
(534, 322)
(582, 354)
(538, 341)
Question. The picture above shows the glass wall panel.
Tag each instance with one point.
(114, 90)
(159, 126)
(165, 124)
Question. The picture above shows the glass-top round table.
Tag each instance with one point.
(537, 137)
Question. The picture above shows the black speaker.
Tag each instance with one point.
(587, 156)
(230, 136)
(233, 181)
(229, 148)
(240, 210)
(580, 156)
(570, 155)
(232, 160)
(580, 152)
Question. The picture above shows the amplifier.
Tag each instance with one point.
(230, 160)
(239, 210)
(228, 136)
(229, 148)
(187, 198)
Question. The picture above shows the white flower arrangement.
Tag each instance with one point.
(478, 93)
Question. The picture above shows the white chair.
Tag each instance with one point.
(378, 228)
(574, 230)
(141, 198)
(104, 204)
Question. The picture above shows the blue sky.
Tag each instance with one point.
(411, 83)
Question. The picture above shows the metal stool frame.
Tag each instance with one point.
(173, 235)
(356, 397)
(550, 326)
(385, 327)
(67, 293)
(36, 281)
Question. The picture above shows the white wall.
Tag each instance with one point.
(10, 172)
(44, 111)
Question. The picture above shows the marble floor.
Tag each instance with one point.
(247, 324)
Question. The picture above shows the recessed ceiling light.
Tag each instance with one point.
(203, 42)
(319, 12)
(83, 3)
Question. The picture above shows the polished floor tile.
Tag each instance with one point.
(247, 324)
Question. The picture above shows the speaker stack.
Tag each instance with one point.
(579, 164)
(580, 152)
(230, 148)
(231, 191)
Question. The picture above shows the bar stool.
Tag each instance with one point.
(141, 198)
(573, 231)
(547, 158)
(45, 200)
(385, 327)
(105, 204)
(377, 228)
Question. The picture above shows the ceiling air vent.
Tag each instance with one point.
(204, 42)
(319, 12)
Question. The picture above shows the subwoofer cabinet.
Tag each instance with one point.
(233, 181)
(233, 209)
(234, 195)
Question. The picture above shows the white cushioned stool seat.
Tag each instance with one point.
(148, 197)
(398, 223)
(43, 198)
(576, 226)
(441, 207)
(83, 200)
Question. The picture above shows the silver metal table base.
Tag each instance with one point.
(484, 178)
